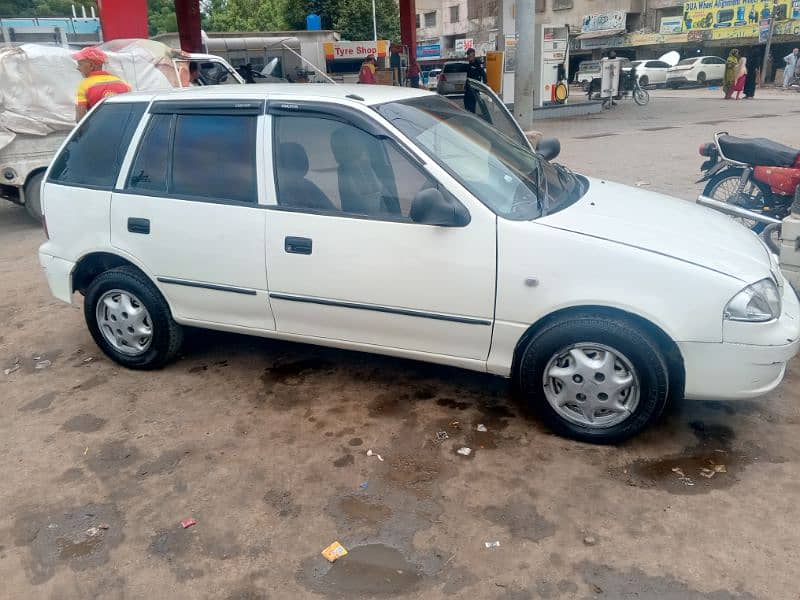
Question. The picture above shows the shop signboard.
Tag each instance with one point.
(731, 19)
(462, 45)
(510, 49)
(671, 25)
(603, 21)
(425, 51)
(614, 41)
(355, 50)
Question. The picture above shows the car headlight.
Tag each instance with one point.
(756, 303)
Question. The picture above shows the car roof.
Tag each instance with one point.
(366, 94)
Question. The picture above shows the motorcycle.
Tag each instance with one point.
(628, 84)
(756, 174)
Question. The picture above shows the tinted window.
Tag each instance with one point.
(149, 170)
(456, 67)
(214, 157)
(94, 154)
(713, 60)
(326, 165)
(687, 61)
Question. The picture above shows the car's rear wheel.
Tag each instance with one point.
(130, 320)
(701, 78)
(595, 378)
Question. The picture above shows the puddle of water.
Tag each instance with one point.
(68, 549)
(372, 569)
(290, 373)
(688, 473)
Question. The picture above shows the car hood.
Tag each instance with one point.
(667, 226)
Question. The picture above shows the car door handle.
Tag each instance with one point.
(136, 225)
(297, 245)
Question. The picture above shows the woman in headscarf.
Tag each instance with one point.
(731, 65)
(752, 76)
(741, 75)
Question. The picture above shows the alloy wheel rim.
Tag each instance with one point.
(124, 322)
(591, 385)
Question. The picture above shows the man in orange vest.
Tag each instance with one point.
(97, 84)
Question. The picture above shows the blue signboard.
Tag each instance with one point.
(429, 51)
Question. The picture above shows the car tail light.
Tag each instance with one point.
(442, 77)
(706, 150)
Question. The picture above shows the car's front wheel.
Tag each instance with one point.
(130, 320)
(595, 378)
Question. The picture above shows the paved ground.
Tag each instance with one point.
(265, 443)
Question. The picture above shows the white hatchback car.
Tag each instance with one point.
(651, 72)
(390, 220)
(700, 70)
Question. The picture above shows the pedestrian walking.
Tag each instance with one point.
(97, 84)
(474, 71)
(741, 75)
(367, 72)
(752, 77)
(731, 66)
(413, 74)
(791, 62)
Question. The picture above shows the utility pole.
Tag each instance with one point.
(374, 23)
(769, 42)
(523, 78)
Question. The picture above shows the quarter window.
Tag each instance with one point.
(93, 155)
(326, 165)
(207, 157)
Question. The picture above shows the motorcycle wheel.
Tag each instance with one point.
(723, 186)
(640, 96)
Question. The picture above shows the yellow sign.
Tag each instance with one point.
(727, 19)
(494, 70)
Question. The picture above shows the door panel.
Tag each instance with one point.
(444, 273)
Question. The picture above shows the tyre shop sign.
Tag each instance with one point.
(604, 21)
(354, 50)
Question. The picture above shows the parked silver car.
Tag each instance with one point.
(453, 78)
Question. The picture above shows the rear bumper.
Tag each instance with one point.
(59, 275)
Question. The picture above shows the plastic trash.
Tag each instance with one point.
(482, 428)
(371, 453)
(464, 451)
(43, 364)
(188, 522)
(441, 436)
(364, 485)
(494, 544)
(334, 552)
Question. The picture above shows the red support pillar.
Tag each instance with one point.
(408, 28)
(122, 19)
(188, 15)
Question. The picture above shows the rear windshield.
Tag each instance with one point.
(687, 61)
(456, 68)
(94, 153)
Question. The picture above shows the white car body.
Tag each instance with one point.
(698, 69)
(651, 72)
(462, 295)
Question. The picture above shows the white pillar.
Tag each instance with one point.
(524, 79)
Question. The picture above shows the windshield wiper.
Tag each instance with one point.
(541, 187)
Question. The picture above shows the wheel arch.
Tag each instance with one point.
(670, 350)
(93, 264)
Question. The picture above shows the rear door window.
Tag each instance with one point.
(207, 157)
(93, 155)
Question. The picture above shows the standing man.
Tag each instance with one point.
(97, 84)
(791, 64)
(474, 71)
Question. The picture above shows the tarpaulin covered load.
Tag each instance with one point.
(38, 83)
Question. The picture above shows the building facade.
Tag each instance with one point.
(446, 29)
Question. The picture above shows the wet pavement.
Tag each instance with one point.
(266, 445)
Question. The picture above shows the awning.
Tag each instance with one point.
(589, 35)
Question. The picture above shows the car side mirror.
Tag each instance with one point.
(549, 148)
(430, 207)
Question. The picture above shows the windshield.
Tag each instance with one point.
(509, 179)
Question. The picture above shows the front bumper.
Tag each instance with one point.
(735, 369)
(677, 79)
(59, 275)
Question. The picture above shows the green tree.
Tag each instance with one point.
(353, 19)
(246, 15)
(161, 17)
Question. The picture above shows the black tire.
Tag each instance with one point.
(613, 332)
(641, 96)
(712, 191)
(701, 78)
(167, 334)
(33, 196)
(644, 80)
